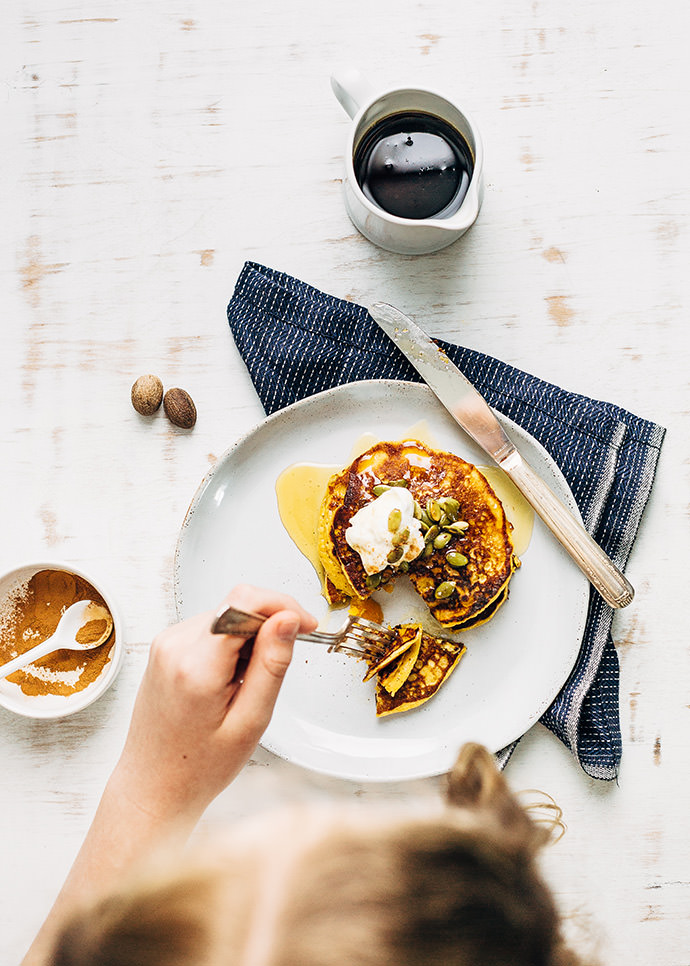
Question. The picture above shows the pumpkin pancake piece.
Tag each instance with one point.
(464, 571)
(392, 678)
(333, 595)
(407, 684)
(406, 637)
(337, 583)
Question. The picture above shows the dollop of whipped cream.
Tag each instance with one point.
(371, 536)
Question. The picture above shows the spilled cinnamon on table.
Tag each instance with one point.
(30, 615)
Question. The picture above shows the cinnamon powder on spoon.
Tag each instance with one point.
(30, 614)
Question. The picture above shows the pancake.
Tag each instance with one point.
(417, 673)
(407, 637)
(458, 511)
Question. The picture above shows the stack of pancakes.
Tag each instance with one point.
(455, 505)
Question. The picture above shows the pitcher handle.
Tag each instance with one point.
(351, 89)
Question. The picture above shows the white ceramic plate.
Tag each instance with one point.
(325, 717)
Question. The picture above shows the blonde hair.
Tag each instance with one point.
(458, 887)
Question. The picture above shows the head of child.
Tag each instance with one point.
(329, 888)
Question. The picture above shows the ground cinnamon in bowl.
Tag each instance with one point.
(30, 614)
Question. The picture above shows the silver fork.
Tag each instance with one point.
(358, 636)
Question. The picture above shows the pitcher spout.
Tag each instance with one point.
(467, 213)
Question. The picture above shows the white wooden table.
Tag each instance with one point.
(148, 150)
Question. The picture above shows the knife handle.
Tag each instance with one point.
(599, 569)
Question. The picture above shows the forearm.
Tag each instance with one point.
(121, 835)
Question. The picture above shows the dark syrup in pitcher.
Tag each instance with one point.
(414, 165)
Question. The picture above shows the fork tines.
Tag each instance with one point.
(373, 637)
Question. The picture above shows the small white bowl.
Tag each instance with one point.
(56, 705)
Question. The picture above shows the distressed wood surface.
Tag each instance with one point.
(148, 150)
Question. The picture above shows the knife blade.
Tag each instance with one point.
(472, 412)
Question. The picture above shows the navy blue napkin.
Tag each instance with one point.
(297, 341)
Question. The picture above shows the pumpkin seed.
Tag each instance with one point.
(395, 555)
(380, 488)
(400, 483)
(444, 590)
(403, 567)
(442, 540)
(401, 537)
(432, 533)
(444, 521)
(417, 511)
(434, 510)
(458, 527)
(394, 519)
(372, 581)
(456, 559)
(428, 549)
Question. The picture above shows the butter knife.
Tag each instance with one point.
(471, 411)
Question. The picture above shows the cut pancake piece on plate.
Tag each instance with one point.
(420, 664)
(406, 636)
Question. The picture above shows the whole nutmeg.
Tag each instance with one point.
(147, 394)
(179, 408)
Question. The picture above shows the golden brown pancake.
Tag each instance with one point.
(417, 673)
(459, 594)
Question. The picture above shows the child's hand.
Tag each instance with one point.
(193, 728)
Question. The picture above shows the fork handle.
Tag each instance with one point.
(241, 623)
(237, 623)
(244, 623)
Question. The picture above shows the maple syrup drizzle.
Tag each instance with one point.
(517, 509)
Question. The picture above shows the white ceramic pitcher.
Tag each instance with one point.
(367, 107)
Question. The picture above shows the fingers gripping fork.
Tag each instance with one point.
(358, 636)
